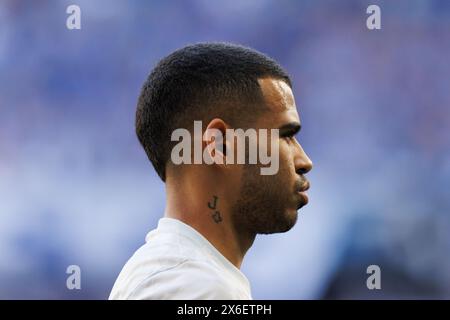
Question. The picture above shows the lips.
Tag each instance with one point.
(301, 192)
(304, 198)
(305, 186)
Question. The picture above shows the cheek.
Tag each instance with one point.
(286, 158)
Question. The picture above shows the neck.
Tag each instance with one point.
(207, 208)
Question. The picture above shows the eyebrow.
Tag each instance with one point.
(291, 128)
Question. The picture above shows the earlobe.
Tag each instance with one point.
(216, 146)
(213, 140)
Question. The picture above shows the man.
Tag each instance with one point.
(214, 211)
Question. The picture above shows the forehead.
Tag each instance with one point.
(279, 99)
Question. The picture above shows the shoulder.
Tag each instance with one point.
(189, 279)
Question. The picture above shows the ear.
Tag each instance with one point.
(214, 142)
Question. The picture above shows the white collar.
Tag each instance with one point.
(175, 226)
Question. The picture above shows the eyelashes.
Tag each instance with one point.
(289, 136)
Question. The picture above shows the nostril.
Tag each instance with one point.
(302, 170)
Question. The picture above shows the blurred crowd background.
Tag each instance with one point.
(76, 187)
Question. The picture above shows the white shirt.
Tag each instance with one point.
(177, 262)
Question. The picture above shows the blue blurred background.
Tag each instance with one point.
(76, 187)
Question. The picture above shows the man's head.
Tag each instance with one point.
(200, 82)
(228, 86)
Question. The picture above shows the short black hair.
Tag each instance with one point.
(200, 82)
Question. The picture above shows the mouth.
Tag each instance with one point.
(303, 199)
(303, 187)
(301, 191)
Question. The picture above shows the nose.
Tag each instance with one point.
(303, 163)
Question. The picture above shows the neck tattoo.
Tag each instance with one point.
(216, 214)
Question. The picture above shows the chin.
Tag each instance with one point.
(291, 219)
(285, 224)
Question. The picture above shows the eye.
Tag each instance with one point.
(289, 136)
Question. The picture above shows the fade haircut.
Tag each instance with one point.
(200, 82)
